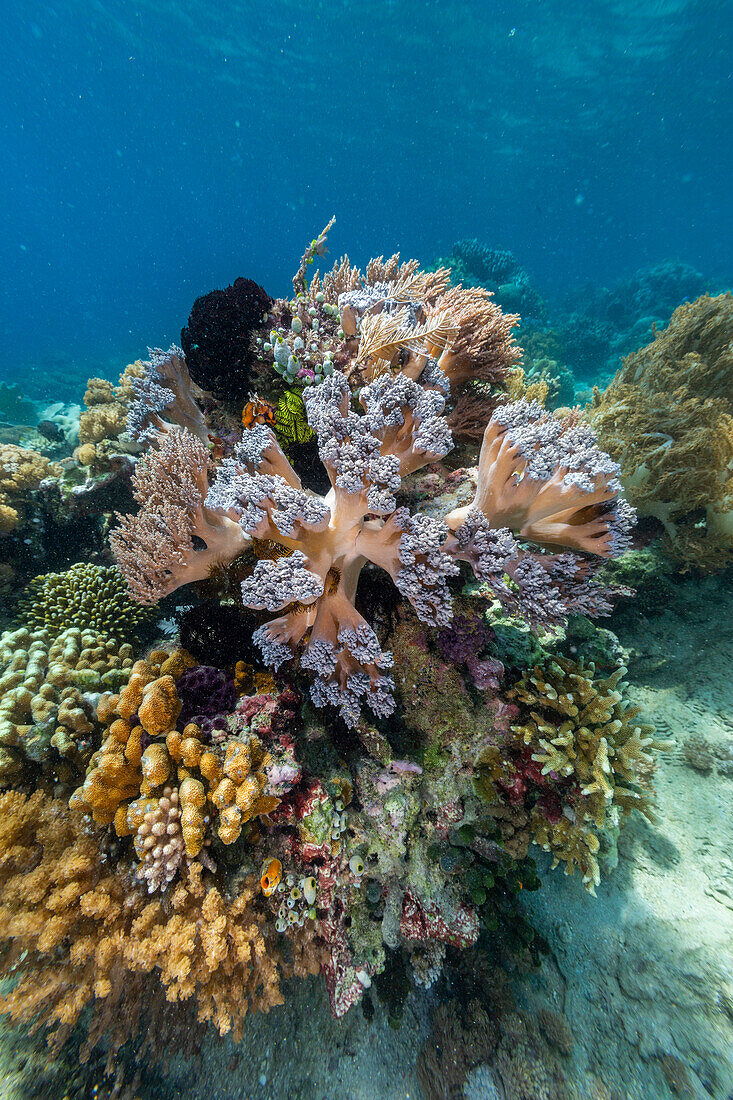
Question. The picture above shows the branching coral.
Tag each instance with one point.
(21, 472)
(541, 477)
(667, 417)
(575, 764)
(90, 597)
(76, 927)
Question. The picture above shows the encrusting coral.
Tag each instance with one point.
(90, 597)
(540, 479)
(667, 418)
(574, 764)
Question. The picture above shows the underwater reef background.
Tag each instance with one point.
(365, 621)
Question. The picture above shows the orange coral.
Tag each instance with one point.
(76, 928)
(124, 783)
(667, 418)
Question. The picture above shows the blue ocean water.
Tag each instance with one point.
(155, 150)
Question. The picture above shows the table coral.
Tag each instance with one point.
(21, 473)
(49, 685)
(89, 597)
(667, 418)
(76, 925)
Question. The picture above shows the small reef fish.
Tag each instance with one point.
(272, 870)
(258, 412)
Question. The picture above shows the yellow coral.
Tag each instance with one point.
(21, 471)
(78, 930)
(122, 778)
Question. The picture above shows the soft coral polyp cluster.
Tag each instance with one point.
(543, 485)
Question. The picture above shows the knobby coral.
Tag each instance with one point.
(541, 480)
(667, 418)
(164, 786)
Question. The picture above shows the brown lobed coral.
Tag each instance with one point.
(667, 418)
(164, 786)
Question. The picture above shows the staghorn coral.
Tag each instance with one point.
(21, 473)
(89, 597)
(49, 685)
(667, 418)
(77, 929)
(576, 762)
(539, 476)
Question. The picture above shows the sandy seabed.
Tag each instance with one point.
(643, 972)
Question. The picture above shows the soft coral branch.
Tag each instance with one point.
(155, 548)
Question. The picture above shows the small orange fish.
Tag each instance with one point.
(272, 870)
(258, 412)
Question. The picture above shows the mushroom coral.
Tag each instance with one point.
(667, 418)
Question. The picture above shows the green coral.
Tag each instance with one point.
(90, 597)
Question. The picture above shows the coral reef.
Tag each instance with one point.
(574, 765)
(49, 687)
(89, 597)
(667, 418)
(539, 477)
(21, 473)
(230, 815)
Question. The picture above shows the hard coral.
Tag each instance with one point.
(576, 762)
(21, 472)
(89, 597)
(78, 928)
(148, 774)
(218, 339)
(667, 417)
(48, 688)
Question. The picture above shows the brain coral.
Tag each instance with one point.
(667, 418)
(90, 597)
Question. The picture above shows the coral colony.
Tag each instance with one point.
(328, 769)
(546, 506)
